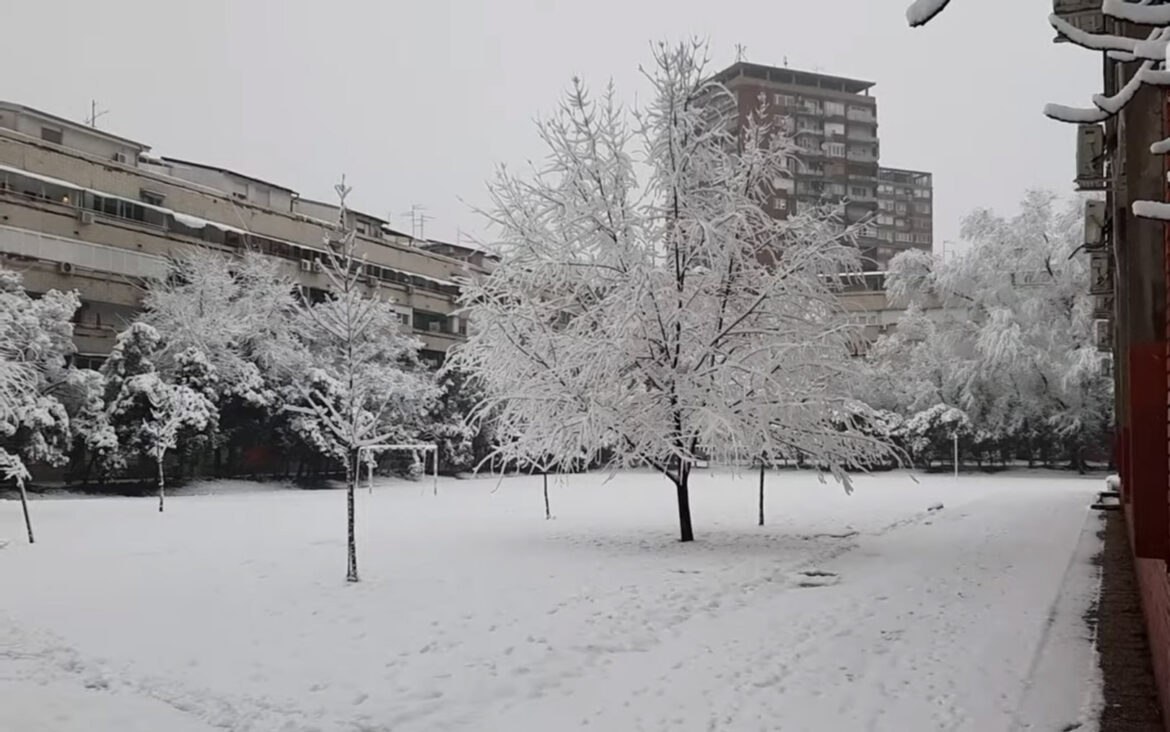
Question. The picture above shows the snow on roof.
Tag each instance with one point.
(226, 171)
(12, 106)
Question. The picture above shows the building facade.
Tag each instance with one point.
(85, 210)
(905, 215)
(834, 124)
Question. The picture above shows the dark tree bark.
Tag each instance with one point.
(761, 493)
(24, 507)
(547, 512)
(161, 482)
(351, 573)
(681, 484)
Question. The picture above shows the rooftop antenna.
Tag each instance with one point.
(94, 113)
(785, 62)
(740, 52)
(418, 220)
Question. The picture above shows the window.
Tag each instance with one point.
(885, 220)
(900, 208)
(922, 208)
(835, 149)
(886, 205)
(780, 203)
(885, 190)
(904, 238)
(860, 113)
(859, 192)
(836, 109)
(51, 134)
(835, 129)
(152, 198)
(784, 100)
(922, 238)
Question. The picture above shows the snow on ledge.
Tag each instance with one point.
(1152, 210)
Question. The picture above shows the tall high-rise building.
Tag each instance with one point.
(833, 120)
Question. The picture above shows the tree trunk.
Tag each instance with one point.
(24, 507)
(547, 512)
(684, 502)
(161, 482)
(351, 573)
(761, 493)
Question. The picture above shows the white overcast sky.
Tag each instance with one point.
(417, 101)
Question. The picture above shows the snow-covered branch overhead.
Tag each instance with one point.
(922, 12)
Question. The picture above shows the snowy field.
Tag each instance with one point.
(874, 611)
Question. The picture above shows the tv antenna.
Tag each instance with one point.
(94, 113)
(418, 220)
(740, 52)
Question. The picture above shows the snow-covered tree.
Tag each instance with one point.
(657, 320)
(1012, 346)
(35, 344)
(147, 412)
(173, 409)
(363, 384)
(235, 311)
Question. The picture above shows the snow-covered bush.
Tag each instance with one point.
(929, 435)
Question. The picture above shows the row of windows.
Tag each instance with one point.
(896, 176)
(822, 106)
(920, 209)
(146, 213)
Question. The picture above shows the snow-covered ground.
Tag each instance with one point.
(879, 610)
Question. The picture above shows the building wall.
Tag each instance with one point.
(110, 254)
(18, 120)
(835, 128)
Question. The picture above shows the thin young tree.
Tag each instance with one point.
(364, 385)
(173, 409)
(655, 321)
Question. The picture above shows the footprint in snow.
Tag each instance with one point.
(816, 578)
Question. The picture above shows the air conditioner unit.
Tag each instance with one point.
(317, 266)
(1095, 225)
(1090, 157)
(120, 157)
(306, 265)
(65, 267)
(85, 217)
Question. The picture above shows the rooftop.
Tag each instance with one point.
(33, 112)
(226, 171)
(793, 77)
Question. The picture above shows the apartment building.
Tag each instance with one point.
(867, 303)
(834, 123)
(82, 209)
(905, 217)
